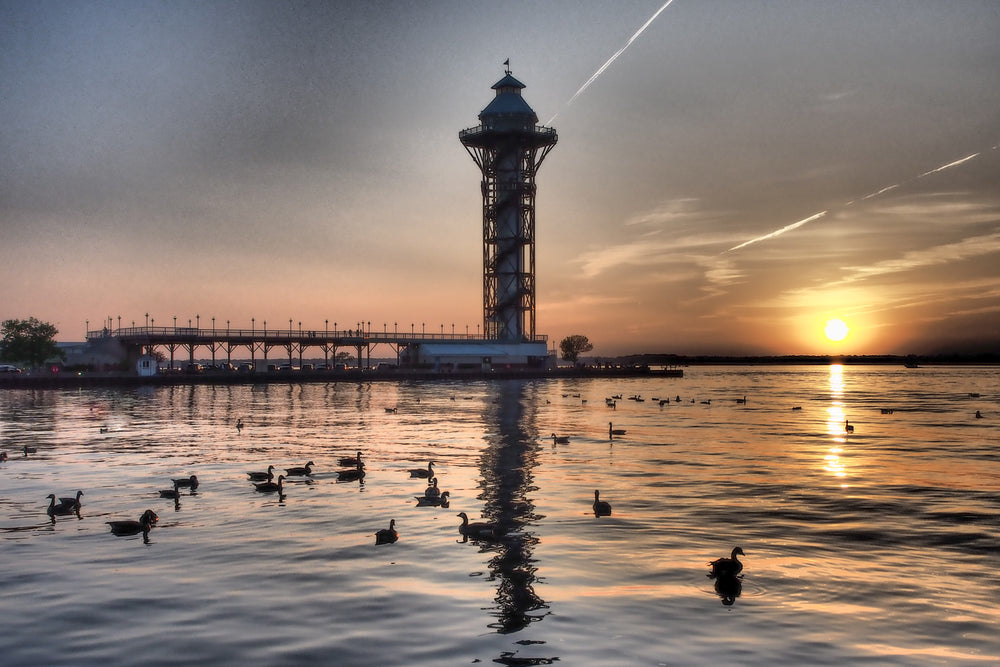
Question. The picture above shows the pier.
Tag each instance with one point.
(261, 343)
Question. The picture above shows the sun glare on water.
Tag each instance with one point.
(836, 329)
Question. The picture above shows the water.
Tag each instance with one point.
(878, 546)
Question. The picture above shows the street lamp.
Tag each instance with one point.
(423, 328)
(197, 319)
(119, 324)
(251, 327)
(147, 319)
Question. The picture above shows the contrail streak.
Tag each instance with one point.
(778, 232)
(952, 164)
(795, 225)
(613, 58)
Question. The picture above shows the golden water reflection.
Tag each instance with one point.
(832, 461)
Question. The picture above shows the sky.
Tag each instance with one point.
(729, 176)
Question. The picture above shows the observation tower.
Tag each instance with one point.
(508, 146)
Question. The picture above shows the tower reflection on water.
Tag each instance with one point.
(506, 466)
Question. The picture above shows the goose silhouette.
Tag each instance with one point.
(350, 475)
(387, 535)
(614, 431)
(479, 529)
(258, 476)
(727, 567)
(71, 501)
(187, 482)
(601, 508)
(300, 471)
(425, 473)
(128, 527)
(350, 460)
(271, 487)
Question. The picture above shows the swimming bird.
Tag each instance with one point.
(615, 431)
(299, 471)
(173, 493)
(432, 491)
(741, 401)
(727, 567)
(601, 508)
(59, 509)
(239, 424)
(128, 527)
(191, 482)
(480, 530)
(979, 415)
(259, 476)
(796, 407)
(271, 487)
(3, 456)
(425, 473)
(72, 502)
(351, 474)
(387, 535)
(559, 439)
(350, 460)
(848, 427)
(391, 410)
(435, 501)
(29, 450)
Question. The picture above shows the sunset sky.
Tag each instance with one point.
(740, 174)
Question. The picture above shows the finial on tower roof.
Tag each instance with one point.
(506, 65)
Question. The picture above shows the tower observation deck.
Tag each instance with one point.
(508, 146)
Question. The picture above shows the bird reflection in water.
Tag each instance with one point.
(728, 588)
(506, 466)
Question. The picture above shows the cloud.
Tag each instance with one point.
(974, 246)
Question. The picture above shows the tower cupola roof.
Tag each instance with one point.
(508, 103)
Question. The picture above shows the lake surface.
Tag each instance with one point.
(880, 546)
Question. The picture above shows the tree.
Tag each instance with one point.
(29, 341)
(573, 346)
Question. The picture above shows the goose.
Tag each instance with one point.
(300, 471)
(424, 473)
(128, 527)
(796, 407)
(3, 456)
(887, 411)
(191, 482)
(481, 530)
(601, 508)
(259, 476)
(239, 424)
(72, 502)
(173, 493)
(979, 415)
(707, 402)
(617, 397)
(559, 439)
(436, 501)
(29, 450)
(848, 427)
(350, 475)
(391, 410)
(432, 491)
(741, 401)
(59, 509)
(271, 487)
(350, 460)
(727, 567)
(615, 431)
(387, 535)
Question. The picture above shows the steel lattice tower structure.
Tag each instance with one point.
(508, 146)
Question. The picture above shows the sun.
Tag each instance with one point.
(836, 329)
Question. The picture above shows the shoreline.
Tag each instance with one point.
(57, 381)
